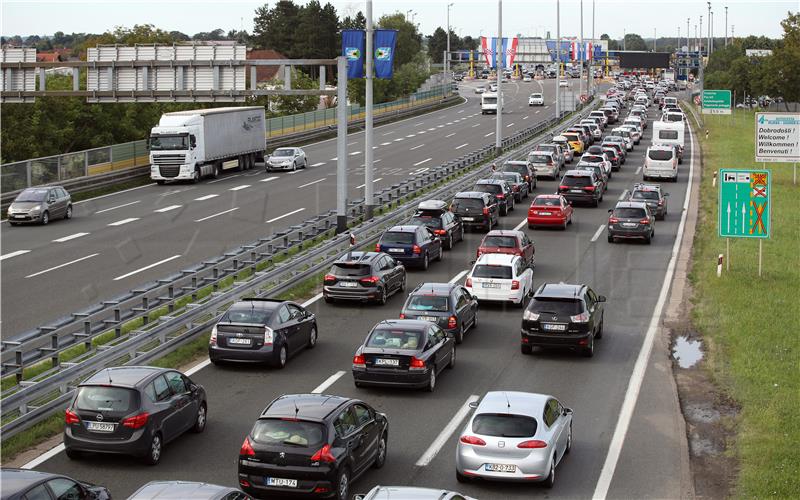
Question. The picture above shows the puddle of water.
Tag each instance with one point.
(687, 352)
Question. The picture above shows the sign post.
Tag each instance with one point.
(744, 206)
(778, 138)
(716, 102)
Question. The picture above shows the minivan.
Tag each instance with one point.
(660, 162)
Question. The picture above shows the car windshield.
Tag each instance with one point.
(504, 425)
(248, 315)
(395, 339)
(32, 195)
(169, 142)
(556, 306)
(476, 203)
(575, 180)
(629, 213)
(517, 169)
(426, 220)
(546, 147)
(283, 152)
(288, 431)
(660, 154)
(543, 201)
(428, 303)
(397, 238)
(489, 271)
(510, 177)
(592, 159)
(117, 399)
(534, 158)
(644, 195)
(500, 241)
(350, 269)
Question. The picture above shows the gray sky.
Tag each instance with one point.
(467, 17)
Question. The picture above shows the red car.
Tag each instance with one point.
(550, 210)
(508, 242)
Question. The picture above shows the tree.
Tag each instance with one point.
(612, 44)
(290, 105)
(409, 40)
(354, 23)
(437, 44)
(634, 42)
(275, 28)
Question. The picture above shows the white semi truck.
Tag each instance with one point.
(189, 145)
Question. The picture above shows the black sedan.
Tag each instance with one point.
(448, 305)
(403, 352)
(312, 446)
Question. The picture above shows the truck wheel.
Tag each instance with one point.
(160, 183)
(196, 176)
(215, 171)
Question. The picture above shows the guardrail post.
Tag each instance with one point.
(215, 275)
(118, 320)
(20, 367)
(87, 339)
(194, 285)
(171, 295)
(145, 306)
(54, 345)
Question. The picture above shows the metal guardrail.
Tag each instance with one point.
(31, 401)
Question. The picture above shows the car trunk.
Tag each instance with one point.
(286, 442)
(378, 358)
(101, 410)
(397, 244)
(502, 434)
(349, 275)
(240, 335)
(554, 315)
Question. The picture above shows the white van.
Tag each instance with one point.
(670, 133)
(489, 103)
(660, 162)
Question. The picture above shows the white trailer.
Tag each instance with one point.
(670, 133)
(490, 102)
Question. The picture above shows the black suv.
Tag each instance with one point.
(449, 305)
(364, 276)
(446, 225)
(563, 315)
(523, 168)
(264, 330)
(653, 195)
(25, 484)
(133, 410)
(501, 190)
(476, 209)
(581, 186)
(313, 445)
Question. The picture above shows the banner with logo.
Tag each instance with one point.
(353, 43)
(385, 41)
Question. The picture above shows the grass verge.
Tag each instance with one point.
(751, 324)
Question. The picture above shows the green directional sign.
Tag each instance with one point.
(716, 102)
(744, 203)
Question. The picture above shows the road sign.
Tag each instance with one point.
(778, 137)
(744, 203)
(716, 102)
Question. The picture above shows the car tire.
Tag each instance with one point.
(200, 419)
(383, 298)
(595, 202)
(569, 440)
(12, 223)
(599, 333)
(431, 380)
(280, 358)
(551, 478)
(343, 485)
(72, 454)
(452, 363)
(403, 284)
(160, 182)
(504, 210)
(441, 253)
(570, 220)
(154, 451)
(380, 458)
(312, 338)
(588, 351)
(450, 242)
(294, 166)
(305, 163)
(648, 240)
(328, 300)
(564, 226)
(459, 336)
(425, 262)
(526, 349)
(45, 219)
(68, 213)
(610, 239)
(461, 478)
(215, 172)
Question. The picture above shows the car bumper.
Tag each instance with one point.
(579, 198)
(546, 221)
(495, 295)
(263, 354)
(412, 260)
(24, 218)
(547, 172)
(138, 444)
(661, 174)
(310, 483)
(390, 377)
(279, 167)
(478, 222)
(568, 339)
(634, 234)
(534, 467)
(357, 294)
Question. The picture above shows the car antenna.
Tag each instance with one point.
(508, 403)
(296, 409)
(108, 374)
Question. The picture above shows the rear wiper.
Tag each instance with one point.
(292, 443)
(547, 312)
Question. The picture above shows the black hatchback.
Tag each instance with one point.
(448, 305)
(133, 410)
(25, 484)
(364, 276)
(313, 446)
(563, 315)
(434, 215)
(501, 190)
(476, 209)
(581, 186)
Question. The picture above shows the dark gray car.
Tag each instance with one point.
(40, 205)
(363, 277)
(133, 410)
(448, 305)
(631, 220)
(174, 490)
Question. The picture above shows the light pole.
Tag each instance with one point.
(581, 51)
(408, 13)
(368, 187)
(711, 34)
(726, 26)
(624, 36)
(708, 44)
(688, 43)
(590, 78)
(558, 59)
(447, 54)
(498, 133)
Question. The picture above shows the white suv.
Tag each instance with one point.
(500, 277)
(660, 162)
(536, 100)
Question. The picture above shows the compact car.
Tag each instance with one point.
(448, 305)
(364, 276)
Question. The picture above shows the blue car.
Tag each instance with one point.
(411, 245)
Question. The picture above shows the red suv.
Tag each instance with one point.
(508, 242)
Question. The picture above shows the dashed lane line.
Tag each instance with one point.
(62, 265)
(217, 214)
(145, 268)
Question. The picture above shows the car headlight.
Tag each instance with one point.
(36, 208)
(530, 316)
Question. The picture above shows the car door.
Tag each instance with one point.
(444, 345)
(346, 428)
(65, 489)
(52, 204)
(63, 200)
(591, 306)
(301, 323)
(472, 304)
(386, 272)
(167, 418)
(287, 326)
(550, 431)
(368, 430)
(556, 425)
(182, 402)
(527, 250)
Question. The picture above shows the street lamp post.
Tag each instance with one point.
(368, 164)
(726, 26)
(591, 58)
(498, 139)
(708, 44)
(558, 59)
(447, 54)
(581, 51)
(654, 39)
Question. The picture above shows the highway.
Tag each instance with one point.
(120, 241)
(629, 274)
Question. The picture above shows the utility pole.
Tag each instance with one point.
(726, 26)
(498, 133)
(581, 51)
(708, 33)
(590, 76)
(447, 55)
(624, 36)
(558, 59)
(368, 184)
(688, 34)
(341, 145)
(711, 35)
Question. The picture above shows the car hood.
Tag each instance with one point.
(24, 206)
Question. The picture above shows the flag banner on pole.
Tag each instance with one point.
(507, 46)
(385, 41)
(353, 43)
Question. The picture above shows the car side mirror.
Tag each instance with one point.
(666, 195)
(193, 388)
(601, 298)
(472, 262)
(359, 496)
(473, 405)
(567, 411)
(610, 210)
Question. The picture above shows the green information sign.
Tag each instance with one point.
(744, 203)
(716, 102)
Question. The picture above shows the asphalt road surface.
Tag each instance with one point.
(629, 274)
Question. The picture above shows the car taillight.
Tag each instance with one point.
(70, 417)
(515, 187)
(370, 281)
(416, 249)
(473, 440)
(247, 449)
(452, 322)
(468, 284)
(580, 318)
(660, 202)
(324, 455)
(500, 196)
(416, 364)
(485, 210)
(212, 340)
(515, 285)
(359, 361)
(533, 443)
(440, 232)
(329, 279)
(644, 221)
(613, 220)
(563, 188)
(137, 421)
(588, 188)
(268, 336)
(527, 177)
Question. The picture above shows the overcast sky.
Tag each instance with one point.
(467, 17)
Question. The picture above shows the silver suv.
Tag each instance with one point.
(40, 205)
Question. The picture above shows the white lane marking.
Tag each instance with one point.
(421, 132)
(450, 135)
(217, 214)
(312, 300)
(385, 143)
(374, 180)
(50, 453)
(459, 112)
(525, 117)
(448, 431)
(70, 237)
(389, 133)
(458, 276)
(640, 367)
(334, 158)
(476, 125)
(431, 129)
(490, 133)
(13, 254)
(285, 215)
(374, 147)
(237, 188)
(310, 183)
(351, 143)
(439, 126)
(537, 111)
(114, 208)
(328, 382)
(509, 125)
(423, 161)
(355, 153)
(167, 209)
(418, 124)
(637, 171)
(449, 123)
(223, 179)
(268, 179)
(598, 232)
(113, 194)
(318, 164)
(623, 195)
(145, 268)
(206, 197)
(416, 147)
(519, 226)
(420, 171)
(124, 221)
(461, 146)
(196, 368)
(62, 265)
(409, 136)
(177, 191)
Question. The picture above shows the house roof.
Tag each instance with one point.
(265, 73)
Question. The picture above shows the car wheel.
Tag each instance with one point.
(343, 485)
(312, 338)
(383, 298)
(68, 214)
(305, 163)
(525, 349)
(564, 226)
(153, 455)
(569, 439)
(380, 459)
(599, 333)
(461, 478)
(595, 202)
(588, 351)
(200, 419)
(459, 336)
(441, 253)
(45, 219)
(450, 242)
(280, 358)
(504, 210)
(570, 220)
(649, 239)
(215, 172)
(610, 239)
(403, 284)
(196, 176)
(551, 478)
(452, 362)
(432, 380)
(294, 166)
(72, 454)
(425, 262)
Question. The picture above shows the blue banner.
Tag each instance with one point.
(385, 41)
(353, 42)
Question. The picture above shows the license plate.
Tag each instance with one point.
(554, 328)
(576, 190)
(545, 213)
(387, 362)
(628, 224)
(434, 319)
(350, 284)
(238, 341)
(468, 219)
(100, 426)
(490, 285)
(396, 250)
(501, 468)
(279, 481)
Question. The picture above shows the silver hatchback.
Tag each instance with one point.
(514, 436)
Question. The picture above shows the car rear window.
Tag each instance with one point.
(436, 303)
(542, 201)
(592, 159)
(490, 100)
(397, 238)
(248, 315)
(496, 272)
(392, 338)
(660, 154)
(576, 180)
(536, 96)
(426, 220)
(560, 307)
(539, 158)
(510, 177)
(500, 241)
(468, 203)
(350, 269)
(644, 195)
(288, 432)
(629, 213)
(674, 118)
(546, 147)
(504, 425)
(489, 188)
(517, 169)
(117, 399)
